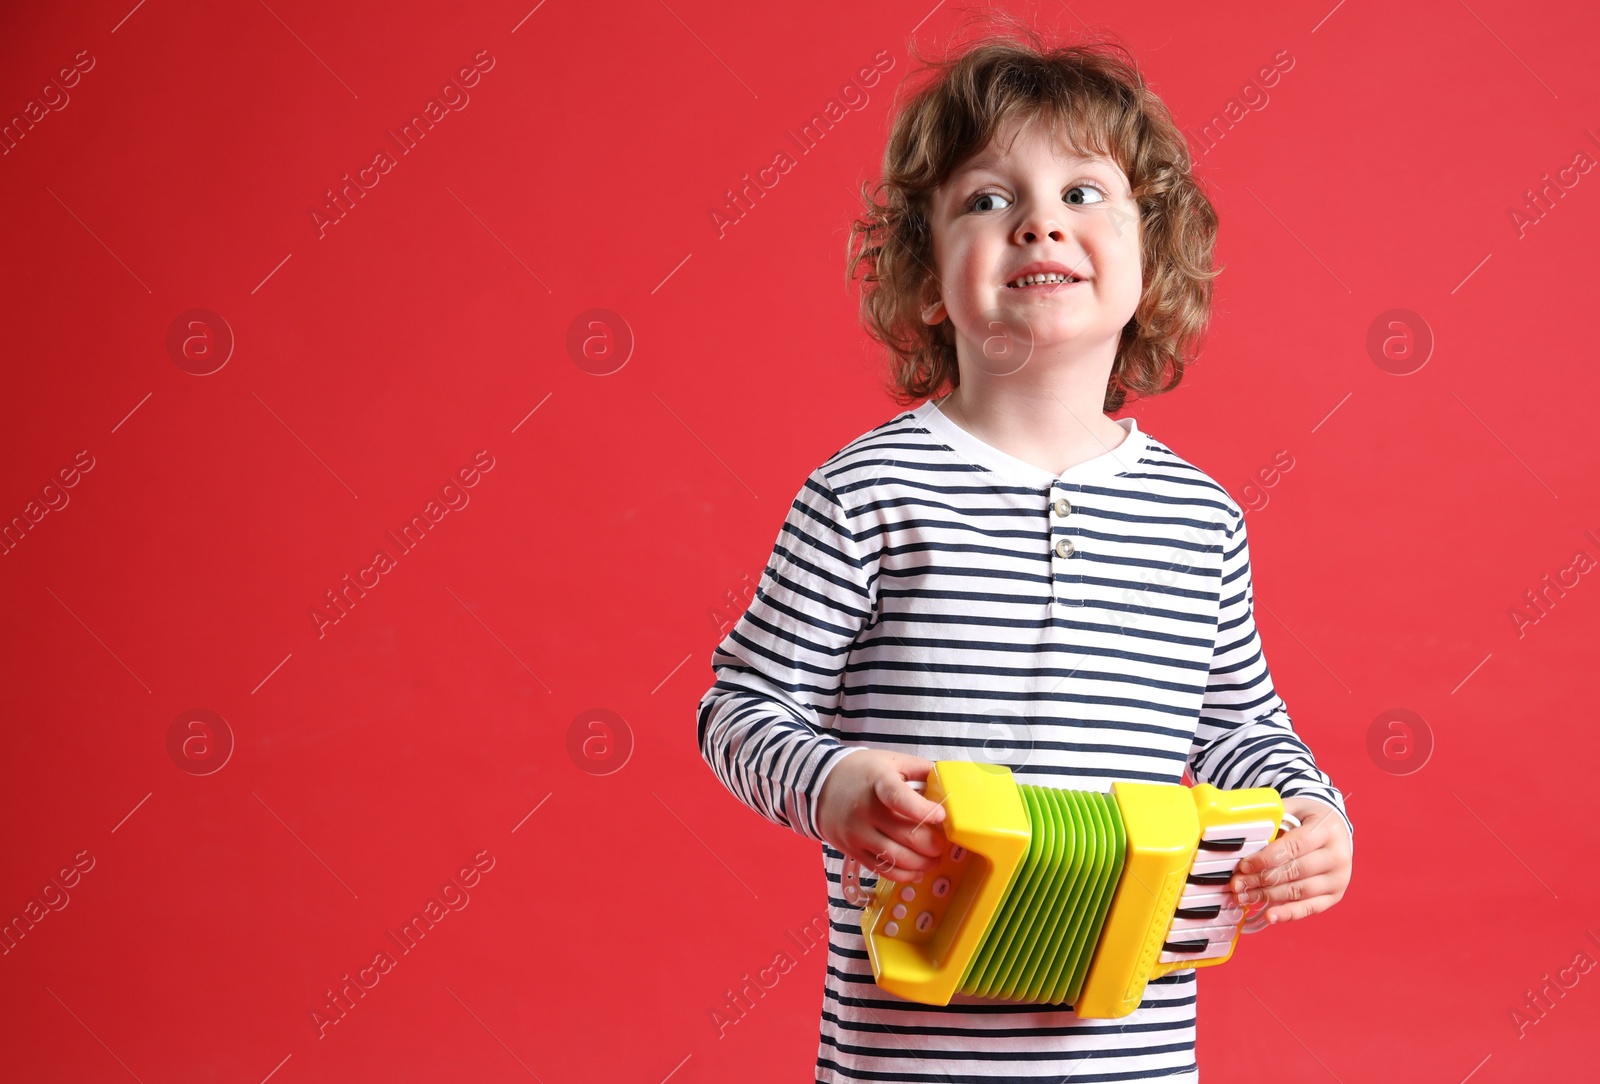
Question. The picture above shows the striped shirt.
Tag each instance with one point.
(932, 595)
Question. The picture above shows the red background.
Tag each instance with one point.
(592, 568)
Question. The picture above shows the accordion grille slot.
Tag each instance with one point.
(1040, 944)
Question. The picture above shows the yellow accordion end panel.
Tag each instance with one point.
(1065, 897)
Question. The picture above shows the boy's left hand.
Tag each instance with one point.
(1302, 871)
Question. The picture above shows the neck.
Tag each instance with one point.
(1051, 416)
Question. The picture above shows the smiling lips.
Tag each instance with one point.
(1045, 274)
(1052, 278)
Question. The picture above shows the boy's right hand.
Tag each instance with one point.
(868, 811)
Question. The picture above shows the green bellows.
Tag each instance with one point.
(1039, 945)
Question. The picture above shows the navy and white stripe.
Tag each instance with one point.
(927, 595)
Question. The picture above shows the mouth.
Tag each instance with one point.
(1049, 281)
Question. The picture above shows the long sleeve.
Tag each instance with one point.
(1244, 737)
(765, 725)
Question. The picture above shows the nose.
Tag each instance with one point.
(1037, 225)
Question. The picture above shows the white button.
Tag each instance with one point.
(891, 928)
(908, 893)
(1064, 548)
(925, 921)
(1061, 507)
(941, 888)
(899, 910)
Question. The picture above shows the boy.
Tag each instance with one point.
(1006, 573)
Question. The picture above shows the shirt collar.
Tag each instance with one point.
(1119, 460)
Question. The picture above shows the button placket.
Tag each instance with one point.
(1064, 576)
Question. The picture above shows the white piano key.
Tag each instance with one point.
(1251, 831)
(1212, 951)
(1208, 930)
(1230, 915)
(1203, 864)
(1205, 896)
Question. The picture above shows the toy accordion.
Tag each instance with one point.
(1053, 896)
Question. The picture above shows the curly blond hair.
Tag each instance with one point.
(1094, 91)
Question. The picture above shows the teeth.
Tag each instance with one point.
(1034, 280)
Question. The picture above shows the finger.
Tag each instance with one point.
(1295, 843)
(1290, 912)
(893, 790)
(1297, 891)
(928, 841)
(1322, 860)
(890, 859)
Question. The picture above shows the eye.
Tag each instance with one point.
(972, 204)
(1083, 188)
(1073, 197)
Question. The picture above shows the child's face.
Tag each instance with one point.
(1023, 201)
